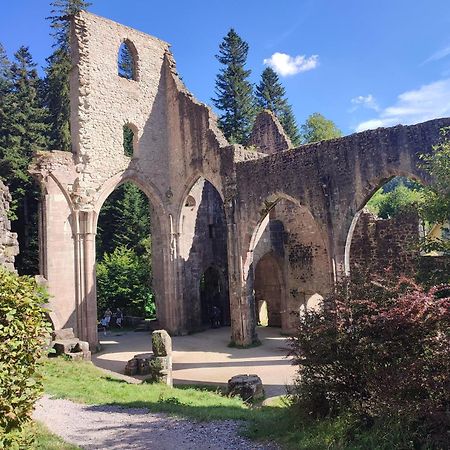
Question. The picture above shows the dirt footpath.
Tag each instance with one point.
(115, 428)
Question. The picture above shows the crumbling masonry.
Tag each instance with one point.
(271, 224)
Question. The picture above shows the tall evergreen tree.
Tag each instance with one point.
(234, 93)
(23, 130)
(59, 63)
(271, 95)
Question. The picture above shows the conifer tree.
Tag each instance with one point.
(57, 72)
(271, 95)
(23, 130)
(234, 93)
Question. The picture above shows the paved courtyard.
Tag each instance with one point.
(205, 358)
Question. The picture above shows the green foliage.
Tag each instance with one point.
(126, 67)
(124, 281)
(317, 128)
(398, 201)
(128, 137)
(234, 93)
(23, 333)
(23, 131)
(270, 94)
(60, 12)
(59, 65)
(436, 205)
(380, 350)
(125, 221)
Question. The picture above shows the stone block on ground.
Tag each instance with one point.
(161, 343)
(248, 387)
(64, 333)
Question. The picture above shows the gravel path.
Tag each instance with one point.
(114, 428)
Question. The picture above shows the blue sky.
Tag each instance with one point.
(361, 63)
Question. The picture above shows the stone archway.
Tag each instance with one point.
(269, 291)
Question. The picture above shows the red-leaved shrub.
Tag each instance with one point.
(379, 349)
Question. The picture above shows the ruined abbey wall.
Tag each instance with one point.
(381, 244)
(178, 147)
(9, 246)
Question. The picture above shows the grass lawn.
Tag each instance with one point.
(83, 382)
(45, 440)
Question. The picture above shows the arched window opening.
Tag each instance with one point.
(124, 258)
(126, 63)
(129, 140)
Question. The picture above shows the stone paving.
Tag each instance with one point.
(205, 358)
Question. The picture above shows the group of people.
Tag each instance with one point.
(116, 318)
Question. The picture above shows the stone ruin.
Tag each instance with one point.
(64, 343)
(155, 366)
(9, 247)
(268, 227)
(248, 387)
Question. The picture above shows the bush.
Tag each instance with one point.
(380, 350)
(23, 333)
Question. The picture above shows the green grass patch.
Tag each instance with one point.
(45, 440)
(85, 383)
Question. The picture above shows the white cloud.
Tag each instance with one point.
(440, 54)
(367, 101)
(427, 102)
(286, 65)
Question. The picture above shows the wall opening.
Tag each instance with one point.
(203, 255)
(124, 256)
(213, 298)
(268, 291)
(386, 231)
(129, 141)
(287, 263)
(127, 61)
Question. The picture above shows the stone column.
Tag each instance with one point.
(86, 278)
(243, 325)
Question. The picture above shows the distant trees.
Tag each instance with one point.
(234, 92)
(318, 128)
(23, 130)
(271, 95)
(56, 85)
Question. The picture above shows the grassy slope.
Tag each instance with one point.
(84, 383)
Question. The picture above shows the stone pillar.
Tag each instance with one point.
(243, 318)
(86, 292)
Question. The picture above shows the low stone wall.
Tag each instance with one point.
(9, 247)
(380, 244)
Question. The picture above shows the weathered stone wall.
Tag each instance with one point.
(178, 143)
(381, 244)
(9, 247)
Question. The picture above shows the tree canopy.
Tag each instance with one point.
(318, 128)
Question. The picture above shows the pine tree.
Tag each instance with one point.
(23, 130)
(5, 73)
(270, 94)
(234, 93)
(57, 73)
